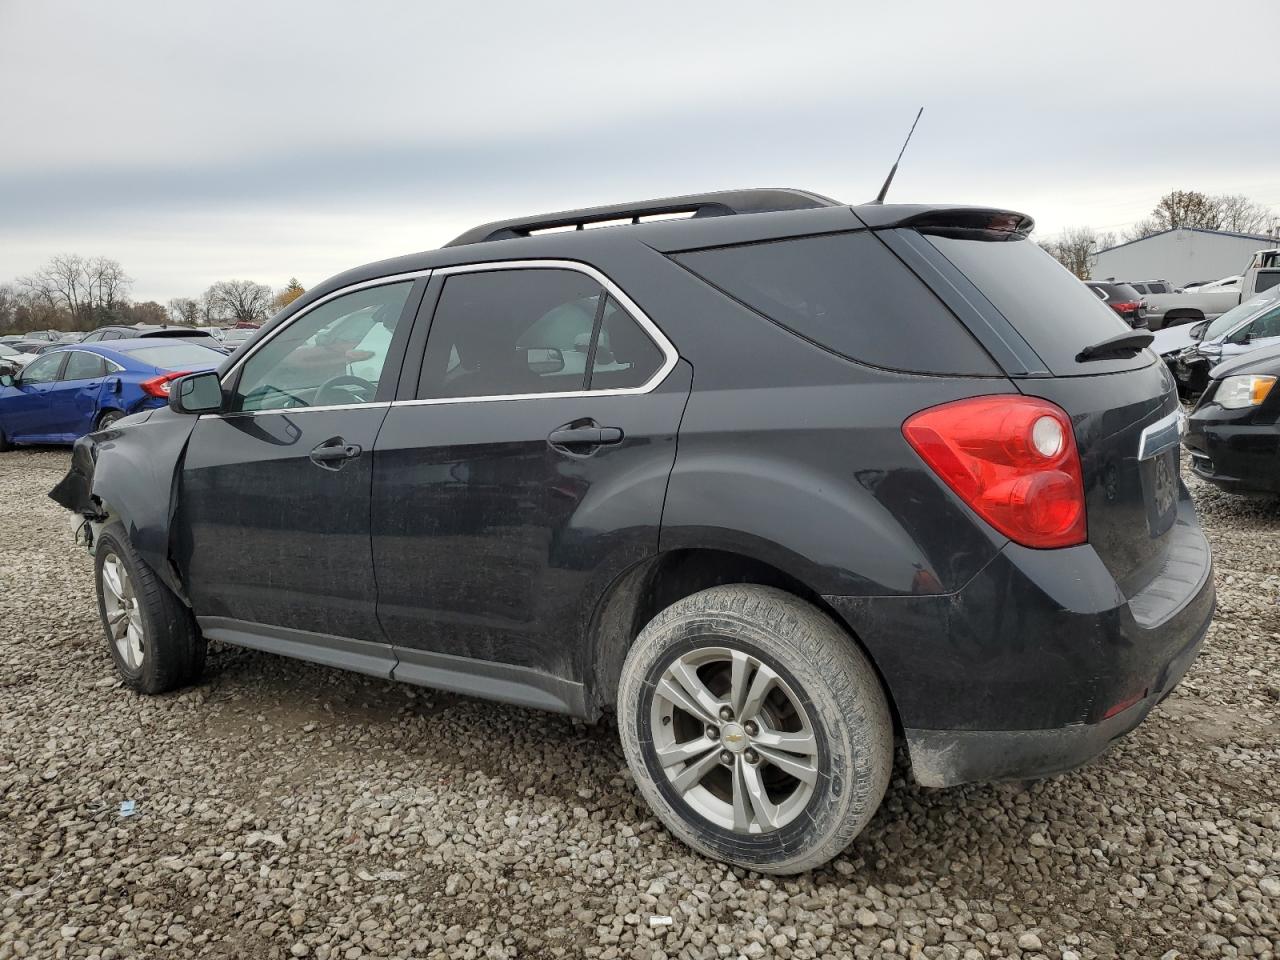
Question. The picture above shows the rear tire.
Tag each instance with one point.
(151, 635)
(4, 443)
(778, 780)
(109, 417)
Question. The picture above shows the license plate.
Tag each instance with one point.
(1160, 490)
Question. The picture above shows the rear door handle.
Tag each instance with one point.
(334, 453)
(589, 436)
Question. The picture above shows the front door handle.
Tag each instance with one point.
(591, 435)
(332, 454)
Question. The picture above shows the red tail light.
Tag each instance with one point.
(1126, 306)
(1013, 460)
(159, 386)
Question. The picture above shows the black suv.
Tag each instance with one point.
(776, 481)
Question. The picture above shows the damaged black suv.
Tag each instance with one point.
(775, 478)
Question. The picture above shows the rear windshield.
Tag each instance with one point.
(1054, 312)
(177, 356)
(1116, 292)
(848, 293)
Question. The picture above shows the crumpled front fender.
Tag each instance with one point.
(129, 474)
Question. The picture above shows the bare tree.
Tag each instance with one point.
(87, 289)
(9, 303)
(1238, 213)
(184, 310)
(146, 312)
(1191, 208)
(1076, 247)
(240, 301)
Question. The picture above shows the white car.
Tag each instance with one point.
(14, 359)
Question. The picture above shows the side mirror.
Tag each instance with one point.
(544, 360)
(1197, 332)
(7, 380)
(196, 393)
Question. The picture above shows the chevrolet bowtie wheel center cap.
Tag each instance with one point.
(734, 737)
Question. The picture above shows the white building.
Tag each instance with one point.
(1179, 256)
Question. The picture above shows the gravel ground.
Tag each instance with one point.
(284, 809)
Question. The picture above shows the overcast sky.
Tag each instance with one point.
(198, 141)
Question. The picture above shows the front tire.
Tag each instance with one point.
(152, 637)
(755, 728)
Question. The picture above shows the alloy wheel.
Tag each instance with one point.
(123, 612)
(734, 740)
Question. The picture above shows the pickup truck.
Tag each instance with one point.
(1174, 309)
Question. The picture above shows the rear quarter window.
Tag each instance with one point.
(849, 294)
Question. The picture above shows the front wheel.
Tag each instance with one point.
(152, 637)
(755, 728)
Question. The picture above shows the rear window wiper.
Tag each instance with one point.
(1121, 346)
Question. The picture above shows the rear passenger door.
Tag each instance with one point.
(521, 468)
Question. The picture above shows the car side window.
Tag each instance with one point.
(334, 354)
(44, 369)
(1267, 325)
(626, 356)
(83, 366)
(509, 333)
(91, 337)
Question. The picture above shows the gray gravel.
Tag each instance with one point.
(284, 809)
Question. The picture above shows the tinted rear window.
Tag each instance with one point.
(1056, 314)
(848, 293)
(176, 356)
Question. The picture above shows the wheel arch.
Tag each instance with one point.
(1180, 316)
(636, 596)
(103, 412)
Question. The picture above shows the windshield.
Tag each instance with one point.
(1235, 315)
(177, 355)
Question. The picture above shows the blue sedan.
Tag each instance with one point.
(73, 390)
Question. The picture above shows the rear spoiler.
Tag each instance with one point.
(995, 223)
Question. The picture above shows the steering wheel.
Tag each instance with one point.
(345, 380)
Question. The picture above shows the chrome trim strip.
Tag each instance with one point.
(374, 405)
(1161, 435)
(669, 353)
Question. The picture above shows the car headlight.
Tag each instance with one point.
(1249, 390)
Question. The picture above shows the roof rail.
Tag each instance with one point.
(720, 204)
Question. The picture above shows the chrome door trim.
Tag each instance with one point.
(669, 353)
(1161, 435)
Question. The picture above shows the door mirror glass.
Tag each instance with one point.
(196, 393)
(7, 380)
(544, 360)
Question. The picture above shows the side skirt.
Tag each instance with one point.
(475, 678)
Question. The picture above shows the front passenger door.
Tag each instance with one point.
(29, 413)
(273, 518)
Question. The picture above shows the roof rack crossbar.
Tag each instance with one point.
(719, 204)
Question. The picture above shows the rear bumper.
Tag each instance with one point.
(945, 758)
(1039, 662)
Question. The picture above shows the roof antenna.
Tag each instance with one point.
(889, 179)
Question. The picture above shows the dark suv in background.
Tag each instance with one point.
(1123, 299)
(776, 481)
